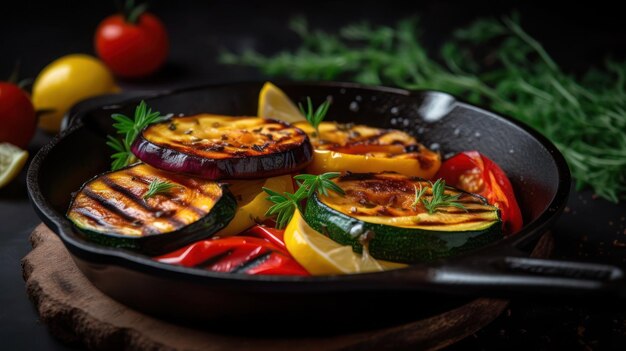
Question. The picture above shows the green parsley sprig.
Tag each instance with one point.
(315, 116)
(158, 187)
(286, 204)
(439, 198)
(130, 128)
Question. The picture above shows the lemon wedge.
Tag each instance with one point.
(275, 104)
(12, 160)
(320, 255)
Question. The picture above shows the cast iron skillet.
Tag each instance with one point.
(537, 170)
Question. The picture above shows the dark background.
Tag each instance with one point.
(578, 36)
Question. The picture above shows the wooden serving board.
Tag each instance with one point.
(76, 312)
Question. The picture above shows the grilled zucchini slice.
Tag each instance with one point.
(111, 209)
(378, 209)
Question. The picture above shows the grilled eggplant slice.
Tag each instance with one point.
(362, 149)
(379, 210)
(111, 209)
(217, 147)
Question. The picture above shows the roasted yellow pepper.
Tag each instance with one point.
(251, 201)
(362, 149)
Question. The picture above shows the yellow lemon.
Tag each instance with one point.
(65, 82)
(275, 104)
(12, 160)
(320, 255)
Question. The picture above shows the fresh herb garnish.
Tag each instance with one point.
(585, 115)
(130, 128)
(314, 116)
(440, 198)
(319, 183)
(286, 204)
(418, 195)
(158, 187)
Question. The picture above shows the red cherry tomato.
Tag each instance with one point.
(17, 116)
(237, 254)
(475, 173)
(132, 50)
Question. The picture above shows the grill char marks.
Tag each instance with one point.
(224, 147)
(392, 196)
(407, 229)
(254, 262)
(186, 183)
(361, 139)
(206, 264)
(388, 186)
(125, 192)
(153, 212)
(113, 203)
(90, 216)
(108, 205)
(222, 137)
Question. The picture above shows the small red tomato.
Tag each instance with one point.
(475, 173)
(17, 116)
(132, 49)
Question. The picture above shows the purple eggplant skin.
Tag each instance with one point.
(237, 166)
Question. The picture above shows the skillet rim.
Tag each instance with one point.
(97, 254)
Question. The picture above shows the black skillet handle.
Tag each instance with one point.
(512, 276)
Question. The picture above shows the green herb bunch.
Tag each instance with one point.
(439, 198)
(585, 116)
(129, 129)
(286, 204)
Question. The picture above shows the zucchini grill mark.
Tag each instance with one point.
(383, 204)
(112, 206)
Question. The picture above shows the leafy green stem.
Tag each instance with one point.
(286, 204)
(439, 198)
(158, 187)
(130, 129)
(315, 116)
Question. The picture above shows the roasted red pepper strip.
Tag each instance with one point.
(475, 173)
(237, 254)
(273, 235)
